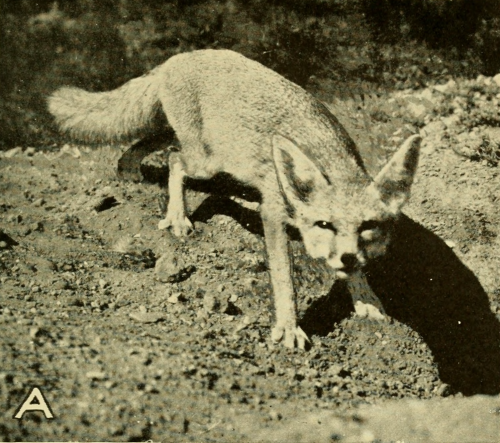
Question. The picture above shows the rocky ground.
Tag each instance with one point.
(132, 334)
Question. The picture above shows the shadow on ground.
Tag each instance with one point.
(420, 282)
(423, 284)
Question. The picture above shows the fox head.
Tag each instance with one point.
(346, 222)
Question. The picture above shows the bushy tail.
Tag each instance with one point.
(124, 114)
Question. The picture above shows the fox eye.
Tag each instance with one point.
(325, 225)
(369, 225)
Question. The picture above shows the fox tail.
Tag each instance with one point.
(121, 115)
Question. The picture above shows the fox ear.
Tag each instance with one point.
(393, 182)
(298, 176)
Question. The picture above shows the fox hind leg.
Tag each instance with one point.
(176, 218)
(129, 165)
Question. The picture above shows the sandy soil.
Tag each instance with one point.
(126, 353)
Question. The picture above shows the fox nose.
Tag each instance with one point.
(349, 261)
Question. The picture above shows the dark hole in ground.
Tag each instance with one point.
(106, 203)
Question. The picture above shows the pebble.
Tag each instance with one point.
(273, 415)
(174, 298)
(42, 264)
(146, 317)
(25, 231)
(60, 285)
(450, 243)
(215, 302)
(16, 218)
(34, 332)
(496, 79)
(13, 152)
(443, 390)
(36, 226)
(96, 375)
(171, 267)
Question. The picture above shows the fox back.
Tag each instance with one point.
(231, 114)
(241, 118)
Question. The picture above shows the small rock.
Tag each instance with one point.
(175, 298)
(34, 332)
(171, 267)
(443, 390)
(16, 218)
(433, 128)
(103, 283)
(334, 370)
(41, 264)
(382, 384)
(451, 120)
(417, 110)
(71, 150)
(36, 227)
(3, 245)
(39, 202)
(274, 415)
(96, 375)
(450, 243)
(101, 203)
(147, 317)
(25, 231)
(427, 94)
(210, 303)
(215, 302)
(30, 151)
(496, 79)
(448, 87)
(60, 285)
(13, 152)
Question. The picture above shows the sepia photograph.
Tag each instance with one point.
(250, 221)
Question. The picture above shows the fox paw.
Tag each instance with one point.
(290, 337)
(367, 310)
(179, 226)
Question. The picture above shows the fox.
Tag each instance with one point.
(228, 114)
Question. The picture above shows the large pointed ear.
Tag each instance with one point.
(298, 176)
(393, 182)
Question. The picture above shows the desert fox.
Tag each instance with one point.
(232, 115)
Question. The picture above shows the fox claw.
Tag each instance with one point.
(290, 337)
(180, 227)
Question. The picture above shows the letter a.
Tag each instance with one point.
(35, 401)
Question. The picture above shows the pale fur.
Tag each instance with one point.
(233, 115)
(86, 116)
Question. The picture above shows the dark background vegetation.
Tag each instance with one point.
(355, 45)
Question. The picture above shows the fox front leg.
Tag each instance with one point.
(285, 330)
(176, 217)
(366, 303)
